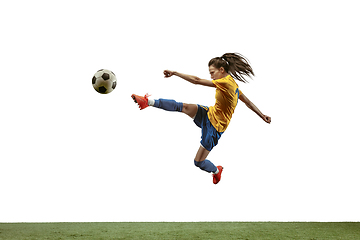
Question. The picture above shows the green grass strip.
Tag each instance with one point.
(183, 230)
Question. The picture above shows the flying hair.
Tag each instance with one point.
(235, 64)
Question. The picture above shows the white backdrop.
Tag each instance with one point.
(71, 154)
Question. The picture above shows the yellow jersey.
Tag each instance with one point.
(226, 98)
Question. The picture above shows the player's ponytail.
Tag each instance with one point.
(235, 64)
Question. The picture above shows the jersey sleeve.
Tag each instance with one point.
(220, 84)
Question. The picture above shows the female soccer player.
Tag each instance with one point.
(212, 120)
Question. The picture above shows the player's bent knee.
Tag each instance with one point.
(198, 164)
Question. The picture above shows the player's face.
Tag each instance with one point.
(216, 73)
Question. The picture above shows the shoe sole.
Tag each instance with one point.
(133, 97)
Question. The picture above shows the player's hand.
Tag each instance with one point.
(168, 73)
(266, 119)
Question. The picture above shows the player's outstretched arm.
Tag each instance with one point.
(252, 106)
(189, 78)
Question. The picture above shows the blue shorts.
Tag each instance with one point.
(210, 136)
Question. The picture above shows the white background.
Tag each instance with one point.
(71, 154)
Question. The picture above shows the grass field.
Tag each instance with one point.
(182, 230)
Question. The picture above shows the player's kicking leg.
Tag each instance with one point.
(165, 104)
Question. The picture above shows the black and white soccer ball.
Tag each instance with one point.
(104, 81)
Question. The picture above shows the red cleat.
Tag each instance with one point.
(217, 177)
(141, 101)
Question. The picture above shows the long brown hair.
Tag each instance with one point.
(235, 64)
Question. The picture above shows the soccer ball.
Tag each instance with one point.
(104, 81)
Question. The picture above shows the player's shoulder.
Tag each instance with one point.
(223, 80)
(227, 82)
